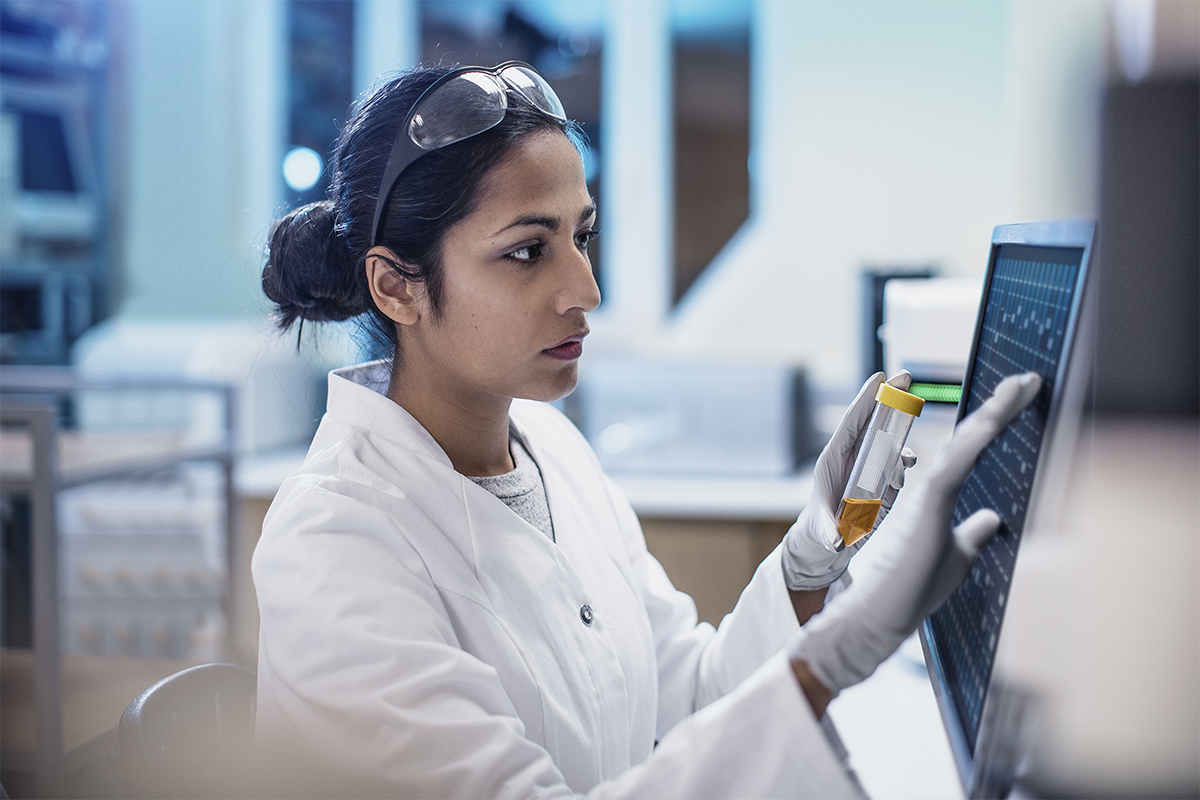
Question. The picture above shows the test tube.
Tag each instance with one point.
(887, 431)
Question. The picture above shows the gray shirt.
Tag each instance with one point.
(522, 490)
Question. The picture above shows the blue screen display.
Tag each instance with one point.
(1025, 321)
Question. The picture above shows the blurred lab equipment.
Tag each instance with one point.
(116, 546)
(927, 327)
(874, 281)
(695, 417)
(55, 236)
(280, 389)
(142, 567)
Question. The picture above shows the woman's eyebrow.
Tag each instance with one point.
(550, 223)
(588, 212)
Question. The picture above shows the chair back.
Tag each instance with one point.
(191, 734)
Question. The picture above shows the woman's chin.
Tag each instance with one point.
(556, 388)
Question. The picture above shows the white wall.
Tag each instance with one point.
(636, 214)
(893, 133)
(206, 96)
(1056, 63)
(386, 39)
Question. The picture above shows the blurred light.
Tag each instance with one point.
(302, 168)
(616, 438)
(1134, 23)
(576, 44)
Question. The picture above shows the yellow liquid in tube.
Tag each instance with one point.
(856, 518)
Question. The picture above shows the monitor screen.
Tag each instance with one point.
(52, 126)
(1027, 319)
(45, 155)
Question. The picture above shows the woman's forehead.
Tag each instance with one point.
(543, 172)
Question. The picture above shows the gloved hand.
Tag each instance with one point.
(925, 559)
(812, 554)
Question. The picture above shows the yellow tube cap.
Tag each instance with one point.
(899, 399)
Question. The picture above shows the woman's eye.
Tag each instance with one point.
(584, 238)
(529, 252)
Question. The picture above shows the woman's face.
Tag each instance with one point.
(517, 281)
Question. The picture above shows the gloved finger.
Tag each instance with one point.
(901, 380)
(978, 430)
(907, 459)
(976, 531)
(848, 431)
(825, 528)
(890, 493)
(969, 539)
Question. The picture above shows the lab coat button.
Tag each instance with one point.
(585, 614)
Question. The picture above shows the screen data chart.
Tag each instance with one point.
(1028, 310)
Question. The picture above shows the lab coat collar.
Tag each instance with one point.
(358, 397)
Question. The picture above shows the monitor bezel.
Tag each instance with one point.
(989, 770)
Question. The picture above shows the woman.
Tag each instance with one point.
(455, 600)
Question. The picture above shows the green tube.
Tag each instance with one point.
(937, 392)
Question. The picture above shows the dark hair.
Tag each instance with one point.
(315, 261)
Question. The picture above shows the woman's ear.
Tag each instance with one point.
(400, 299)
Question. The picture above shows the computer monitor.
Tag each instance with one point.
(1029, 317)
(57, 196)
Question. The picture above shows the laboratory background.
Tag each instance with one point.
(793, 194)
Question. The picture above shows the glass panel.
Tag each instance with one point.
(320, 86)
(711, 69)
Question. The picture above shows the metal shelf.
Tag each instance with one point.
(30, 399)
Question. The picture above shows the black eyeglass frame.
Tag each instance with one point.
(405, 150)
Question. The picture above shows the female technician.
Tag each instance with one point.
(455, 600)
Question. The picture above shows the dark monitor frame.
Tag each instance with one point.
(57, 215)
(988, 768)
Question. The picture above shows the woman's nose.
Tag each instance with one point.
(580, 289)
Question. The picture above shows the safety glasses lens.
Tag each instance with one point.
(535, 89)
(464, 106)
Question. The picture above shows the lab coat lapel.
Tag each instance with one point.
(397, 450)
(622, 656)
(535, 595)
(580, 507)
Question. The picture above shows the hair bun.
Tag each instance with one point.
(306, 275)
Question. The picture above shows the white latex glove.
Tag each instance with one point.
(927, 559)
(813, 555)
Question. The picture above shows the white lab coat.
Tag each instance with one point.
(421, 637)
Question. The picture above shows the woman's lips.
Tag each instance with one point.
(568, 349)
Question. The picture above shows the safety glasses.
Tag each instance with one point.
(459, 105)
